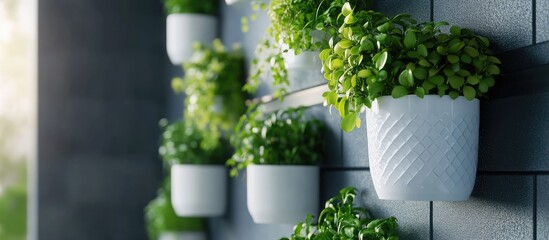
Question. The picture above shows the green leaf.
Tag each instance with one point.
(456, 81)
(346, 10)
(350, 19)
(410, 40)
(471, 51)
(442, 50)
(428, 85)
(455, 30)
(364, 73)
(381, 60)
(483, 86)
(325, 54)
(424, 63)
(345, 43)
(472, 80)
(348, 122)
(399, 91)
(420, 92)
(422, 50)
(406, 78)
(466, 58)
(332, 98)
(420, 73)
(366, 45)
(453, 94)
(437, 79)
(469, 92)
(493, 69)
(494, 60)
(453, 59)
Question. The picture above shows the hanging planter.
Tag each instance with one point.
(423, 149)
(420, 87)
(188, 22)
(199, 190)
(182, 236)
(282, 194)
(185, 29)
(281, 151)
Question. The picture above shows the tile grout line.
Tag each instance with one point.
(431, 237)
(534, 30)
(535, 209)
(432, 17)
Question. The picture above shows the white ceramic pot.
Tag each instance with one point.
(423, 149)
(231, 2)
(183, 30)
(182, 236)
(282, 194)
(199, 190)
(306, 60)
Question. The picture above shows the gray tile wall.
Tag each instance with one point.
(103, 75)
(101, 87)
(511, 196)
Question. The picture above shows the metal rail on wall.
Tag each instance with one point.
(302, 98)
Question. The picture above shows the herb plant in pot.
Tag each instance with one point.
(341, 219)
(213, 82)
(198, 176)
(420, 88)
(281, 151)
(163, 224)
(298, 31)
(188, 22)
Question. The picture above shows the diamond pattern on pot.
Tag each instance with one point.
(424, 147)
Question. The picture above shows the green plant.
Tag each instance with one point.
(293, 26)
(375, 55)
(182, 144)
(340, 219)
(284, 137)
(189, 6)
(213, 85)
(160, 217)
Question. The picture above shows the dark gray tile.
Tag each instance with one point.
(542, 21)
(543, 207)
(355, 146)
(413, 217)
(500, 208)
(513, 133)
(111, 182)
(508, 24)
(419, 9)
(332, 135)
(304, 78)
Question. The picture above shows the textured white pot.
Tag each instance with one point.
(182, 236)
(282, 194)
(423, 149)
(183, 30)
(199, 190)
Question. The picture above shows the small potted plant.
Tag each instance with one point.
(212, 83)
(298, 31)
(188, 22)
(341, 219)
(281, 152)
(198, 176)
(420, 88)
(163, 224)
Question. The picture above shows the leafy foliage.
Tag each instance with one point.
(375, 55)
(160, 217)
(190, 6)
(284, 137)
(296, 25)
(340, 219)
(181, 144)
(213, 84)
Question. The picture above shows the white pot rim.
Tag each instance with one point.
(191, 14)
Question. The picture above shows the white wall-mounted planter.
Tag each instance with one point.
(182, 236)
(199, 190)
(183, 30)
(423, 149)
(306, 60)
(231, 2)
(281, 193)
